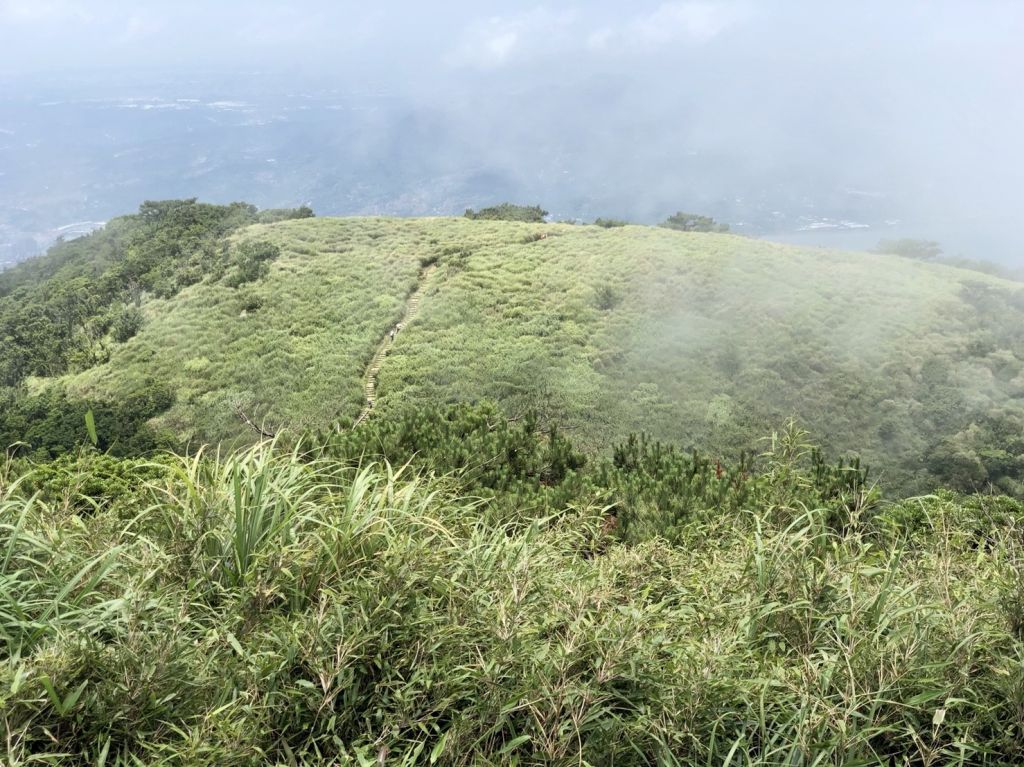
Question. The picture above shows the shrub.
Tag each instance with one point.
(127, 323)
(509, 212)
(607, 298)
(692, 222)
(250, 301)
(273, 215)
(922, 250)
(252, 261)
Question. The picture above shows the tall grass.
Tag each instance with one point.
(264, 607)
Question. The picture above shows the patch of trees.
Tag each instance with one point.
(532, 214)
(649, 488)
(922, 250)
(273, 215)
(610, 223)
(929, 250)
(692, 222)
(52, 423)
(62, 311)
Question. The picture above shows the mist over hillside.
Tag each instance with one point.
(903, 125)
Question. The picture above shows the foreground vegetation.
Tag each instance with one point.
(318, 604)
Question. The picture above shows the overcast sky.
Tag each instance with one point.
(923, 99)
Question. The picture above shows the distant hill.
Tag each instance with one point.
(709, 340)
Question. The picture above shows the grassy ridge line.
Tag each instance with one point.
(261, 608)
(702, 339)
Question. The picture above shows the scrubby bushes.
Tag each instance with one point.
(692, 222)
(127, 323)
(273, 215)
(651, 489)
(607, 298)
(532, 214)
(279, 607)
(251, 262)
(922, 250)
(51, 423)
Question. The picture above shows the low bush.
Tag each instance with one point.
(288, 607)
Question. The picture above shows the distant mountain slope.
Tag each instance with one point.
(705, 339)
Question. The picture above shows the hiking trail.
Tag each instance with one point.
(370, 377)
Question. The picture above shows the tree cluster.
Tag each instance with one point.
(506, 211)
(692, 222)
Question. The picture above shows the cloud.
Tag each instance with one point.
(30, 12)
(502, 40)
(686, 21)
(139, 27)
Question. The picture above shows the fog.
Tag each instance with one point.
(822, 123)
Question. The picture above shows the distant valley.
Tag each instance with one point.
(73, 156)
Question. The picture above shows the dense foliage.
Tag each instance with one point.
(50, 424)
(693, 222)
(70, 309)
(311, 607)
(647, 487)
(57, 311)
(531, 214)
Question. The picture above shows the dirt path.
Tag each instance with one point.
(370, 377)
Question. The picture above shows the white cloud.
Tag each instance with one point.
(696, 20)
(600, 39)
(40, 11)
(139, 27)
(501, 46)
(683, 21)
(506, 39)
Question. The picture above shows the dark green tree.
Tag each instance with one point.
(532, 214)
(692, 222)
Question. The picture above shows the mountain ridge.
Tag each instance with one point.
(710, 340)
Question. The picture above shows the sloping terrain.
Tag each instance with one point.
(705, 339)
(287, 350)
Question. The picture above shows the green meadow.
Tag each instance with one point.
(702, 339)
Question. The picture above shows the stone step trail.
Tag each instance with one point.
(412, 306)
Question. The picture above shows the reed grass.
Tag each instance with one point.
(270, 607)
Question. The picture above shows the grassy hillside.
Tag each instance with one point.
(703, 339)
(290, 349)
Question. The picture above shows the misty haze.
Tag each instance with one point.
(582, 384)
(828, 125)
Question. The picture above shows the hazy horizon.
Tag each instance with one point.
(835, 124)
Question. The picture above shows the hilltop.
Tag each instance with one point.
(702, 339)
